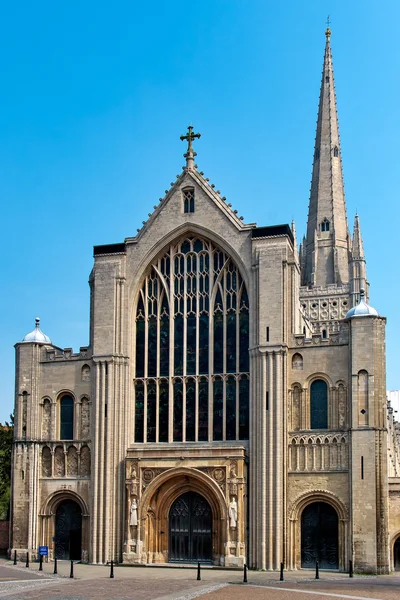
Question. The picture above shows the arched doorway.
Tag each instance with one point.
(190, 529)
(396, 555)
(319, 536)
(68, 533)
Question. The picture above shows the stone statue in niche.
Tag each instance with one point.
(135, 481)
(133, 518)
(232, 513)
(233, 487)
(85, 373)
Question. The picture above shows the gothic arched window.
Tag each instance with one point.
(66, 418)
(192, 347)
(319, 404)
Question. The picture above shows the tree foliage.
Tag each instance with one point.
(6, 441)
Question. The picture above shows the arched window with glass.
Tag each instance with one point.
(319, 404)
(66, 418)
(192, 347)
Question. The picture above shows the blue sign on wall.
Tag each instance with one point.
(43, 550)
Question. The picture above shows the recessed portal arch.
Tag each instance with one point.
(156, 507)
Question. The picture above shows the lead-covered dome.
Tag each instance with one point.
(362, 309)
(37, 336)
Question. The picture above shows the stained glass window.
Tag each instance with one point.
(192, 347)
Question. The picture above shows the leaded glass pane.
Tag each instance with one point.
(218, 410)
(203, 410)
(163, 411)
(178, 411)
(67, 418)
(139, 411)
(190, 410)
(231, 409)
(319, 404)
(151, 411)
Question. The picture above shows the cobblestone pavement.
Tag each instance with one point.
(156, 583)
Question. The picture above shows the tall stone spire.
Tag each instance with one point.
(326, 247)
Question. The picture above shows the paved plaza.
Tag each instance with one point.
(180, 583)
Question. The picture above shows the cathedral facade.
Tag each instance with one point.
(230, 407)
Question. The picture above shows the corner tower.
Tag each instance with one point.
(326, 247)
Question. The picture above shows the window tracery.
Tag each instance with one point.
(192, 347)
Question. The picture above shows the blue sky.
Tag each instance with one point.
(95, 96)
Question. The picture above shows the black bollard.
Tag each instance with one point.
(71, 574)
(112, 570)
(350, 568)
(198, 572)
(55, 565)
(281, 577)
(245, 574)
(316, 570)
(27, 559)
(15, 557)
(40, 563)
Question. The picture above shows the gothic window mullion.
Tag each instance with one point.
(210, 408)
(224, 327)
(171, 346)
(224, 409)
(237, 333)
(185, 317)
(145, 411)
(184, 410)
(157, 409)
(237, 408)
(160, 294)
(146, 331)
(196, 412)
(197, 370)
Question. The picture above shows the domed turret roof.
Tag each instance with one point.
(362, 309)
(37, 336)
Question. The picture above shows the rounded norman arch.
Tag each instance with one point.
(47, 520)
(294, 534)
(395, 551)
(314, 377)
(156, 502)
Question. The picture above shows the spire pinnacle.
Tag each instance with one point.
(190, 154)
(326, 250)
(328, 29)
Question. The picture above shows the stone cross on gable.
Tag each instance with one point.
(189, 137)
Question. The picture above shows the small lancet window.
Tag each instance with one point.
(325, 225)
(336, 152)
(317, 154)
(327, 78)
(188, 200)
